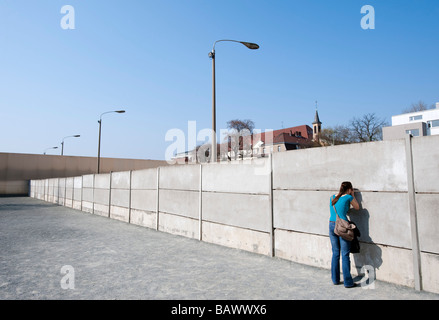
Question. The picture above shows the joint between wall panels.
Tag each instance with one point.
(336, 191)
(238, 193)
(129, 195)
(235, 226)
(200, 206)
(185, 190)
(361, 241)
(158, 199)
(413, 214)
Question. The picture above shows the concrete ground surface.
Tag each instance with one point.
(109, 259)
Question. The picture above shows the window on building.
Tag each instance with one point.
(414, 118)
(413, 132)
(435, 123)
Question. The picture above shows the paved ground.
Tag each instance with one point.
(115, 260)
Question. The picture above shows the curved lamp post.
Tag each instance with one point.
(99, 144)
(250, 45)
(49, 149)
(62, 143)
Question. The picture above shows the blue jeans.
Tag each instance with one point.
(339, 245)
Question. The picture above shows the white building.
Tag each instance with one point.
(420, 123)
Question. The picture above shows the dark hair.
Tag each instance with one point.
(345, 186)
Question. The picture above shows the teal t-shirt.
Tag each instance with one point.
(342, 207)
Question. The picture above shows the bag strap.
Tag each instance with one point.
(341, 219)
(334, 208)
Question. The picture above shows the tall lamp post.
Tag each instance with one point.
(100, 127)
(252, 46)
(62, 143)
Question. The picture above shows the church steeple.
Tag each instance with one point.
(317, 127)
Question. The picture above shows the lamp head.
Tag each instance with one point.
(250, 45)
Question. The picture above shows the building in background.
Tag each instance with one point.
(420, 123)
(258, 144)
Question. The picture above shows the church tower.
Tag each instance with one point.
(317, 127)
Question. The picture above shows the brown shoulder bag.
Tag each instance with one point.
(343, 228)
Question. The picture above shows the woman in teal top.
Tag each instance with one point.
(342, 202)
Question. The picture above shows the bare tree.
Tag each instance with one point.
(240, 125)
(239, 129)
(418, 106)
(367, 128)
(339, 134)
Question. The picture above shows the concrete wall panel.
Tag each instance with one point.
(426, 164)
(62, 191)
(144, 218)
(178, 225)
(384, 217)
(77, 191)
(102, 196)
(427, 206)
(183, 203)
(305, 211)
(119, 213)
(240, 210)
(101, 209)
(180, 177)
(239, 178)
(49, 190)
(77, 205)
(325, 168)
(69, 192)
(389, 263)
(87, 206)
(120, 180)
(87, 194)
(102, 181)
(430, 274)
(55, 190)
(145, 200)
(144, 179)
(88, 181)
(234, 237)
(120, 198)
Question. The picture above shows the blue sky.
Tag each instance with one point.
(151, 59)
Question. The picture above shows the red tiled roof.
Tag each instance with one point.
(294, 135)
(299, 134)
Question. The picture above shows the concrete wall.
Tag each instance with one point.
(236, 207)
(279, 206)
(17, 169)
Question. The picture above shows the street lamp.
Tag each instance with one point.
(62, 143)
(99, 144)
(250, 45)
(49, 149)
